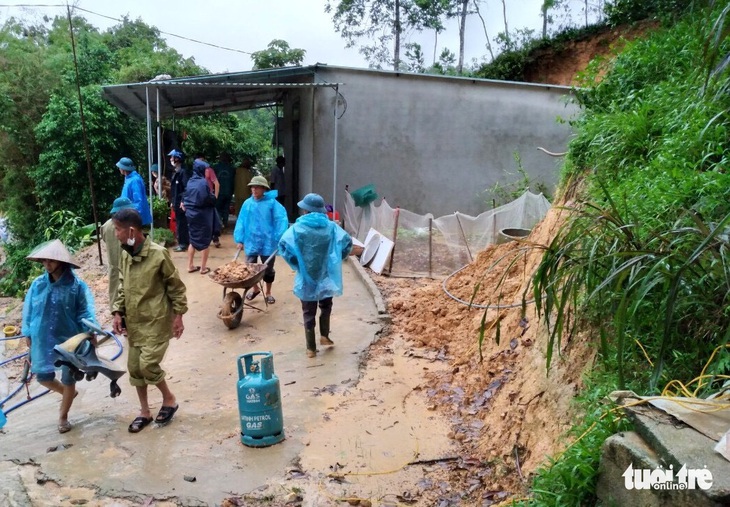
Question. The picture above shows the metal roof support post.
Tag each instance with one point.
(334, 169)
(160, 164)
(149, 153)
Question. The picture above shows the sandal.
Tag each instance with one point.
(270, 299)
(205, 271)
(64, 427)
(194, 269)
(139, 424)
(165, 414)
(252, 295)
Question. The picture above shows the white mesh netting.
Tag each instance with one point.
(427, 246)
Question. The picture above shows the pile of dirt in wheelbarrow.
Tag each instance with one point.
(508, 413)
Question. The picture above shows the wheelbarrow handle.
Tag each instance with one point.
(271, 256)
(238, 252)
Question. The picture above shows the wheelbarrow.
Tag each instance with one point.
(231, 311)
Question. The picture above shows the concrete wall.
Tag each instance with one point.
(430, 144)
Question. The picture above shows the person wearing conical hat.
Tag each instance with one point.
(53, 310)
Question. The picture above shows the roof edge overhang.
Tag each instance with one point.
(193, 95)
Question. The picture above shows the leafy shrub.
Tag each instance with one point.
(17, 272)
(164, 237)
(619, 12)
(69, 229)
(503, 193)
(160, 211)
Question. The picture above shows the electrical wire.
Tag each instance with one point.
(344, 105)
(122, 21)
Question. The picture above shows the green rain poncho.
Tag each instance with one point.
(150, 294)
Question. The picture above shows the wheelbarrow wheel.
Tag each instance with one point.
(232, 310)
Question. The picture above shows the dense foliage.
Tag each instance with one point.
(644, 261)
(277, 54)
(43, 141)
(648, 246)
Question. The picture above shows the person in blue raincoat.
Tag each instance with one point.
(314, 247)
(199, 205)
(53, 310)
(259, 227)
(134, 189)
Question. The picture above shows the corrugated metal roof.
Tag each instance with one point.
(188, 96)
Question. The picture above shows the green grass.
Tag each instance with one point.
(645, 257)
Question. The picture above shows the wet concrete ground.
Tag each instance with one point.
(329, 419)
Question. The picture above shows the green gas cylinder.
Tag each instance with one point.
(259, 400)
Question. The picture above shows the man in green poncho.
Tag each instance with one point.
(149, 310)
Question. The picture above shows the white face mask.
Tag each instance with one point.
(131, 240)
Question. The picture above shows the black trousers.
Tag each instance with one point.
(183, 238)
(309, 309)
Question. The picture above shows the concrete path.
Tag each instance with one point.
(203, 441)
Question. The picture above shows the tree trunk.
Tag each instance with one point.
(462, 34)
(506, 28)
(397, 30)
(484, 25)
(435, 46)
(544, 20)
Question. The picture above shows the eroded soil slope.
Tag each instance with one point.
(506, 409)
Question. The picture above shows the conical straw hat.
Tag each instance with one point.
(53, 250)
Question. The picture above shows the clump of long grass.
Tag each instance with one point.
(644, 258)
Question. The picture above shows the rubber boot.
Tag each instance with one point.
(324, 331)
(311, 343)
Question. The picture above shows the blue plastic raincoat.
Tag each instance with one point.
(52, 313)
(134, 190)
(260, 224)
(315, 247)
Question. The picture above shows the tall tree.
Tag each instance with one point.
(277, 54)
(546, 6)
(484, 26)
(384, 22)
(139, 53)
(40, 135)
(463, 11)
(506, 27)
(27, 78)
(433, 12)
